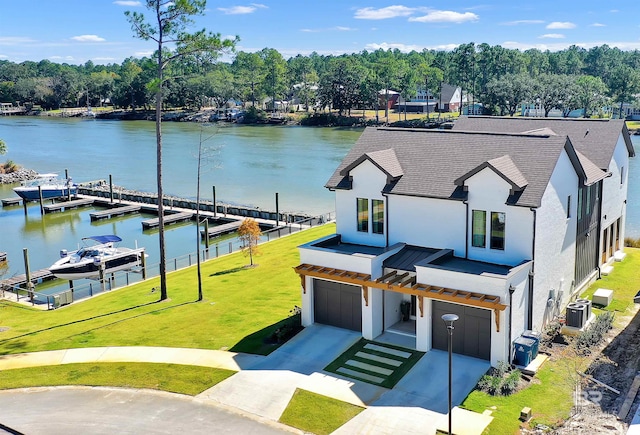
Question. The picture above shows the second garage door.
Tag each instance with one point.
(472, 331)
(337, 304)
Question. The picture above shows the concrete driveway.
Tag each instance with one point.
(107, 411)
(419, 403)
(266, 388)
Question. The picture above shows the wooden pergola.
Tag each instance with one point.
(402, 282)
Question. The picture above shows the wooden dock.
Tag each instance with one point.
(11, 201)
(21, 280)
(59, 206)
(168, 219)
(116, 211)
(222, 229)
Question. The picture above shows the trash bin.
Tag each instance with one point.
(523, 350)
(534, 335)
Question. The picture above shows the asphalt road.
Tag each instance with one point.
(102, 411)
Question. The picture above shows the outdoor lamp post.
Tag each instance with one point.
(448, 321)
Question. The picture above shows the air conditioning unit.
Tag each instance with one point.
(586, 302)
(576, 315)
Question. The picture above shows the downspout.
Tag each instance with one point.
(386, 219)
(466, 229)
(511, 290)
(599, 230)
(531, 274)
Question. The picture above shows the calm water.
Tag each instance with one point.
(247, 165)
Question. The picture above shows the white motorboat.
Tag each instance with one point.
(103, 256)
(49, 185)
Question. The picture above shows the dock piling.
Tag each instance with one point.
(40, 197)
(27, 270)
(66, 177)
(214, 202)
(111, 188)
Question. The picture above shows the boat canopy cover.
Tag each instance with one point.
(104, 239)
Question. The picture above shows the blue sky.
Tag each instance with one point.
(74, 31)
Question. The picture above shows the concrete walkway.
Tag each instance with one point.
(264, 385)
(196, 357)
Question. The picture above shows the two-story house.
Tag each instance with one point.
(502, 226)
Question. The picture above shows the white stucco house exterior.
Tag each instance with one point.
(501, 221)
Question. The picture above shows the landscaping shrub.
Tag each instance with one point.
(500, 381)
(291, 326)
(594, 334)
(550, 333)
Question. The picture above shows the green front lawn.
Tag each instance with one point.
(241, 306)
(191, 380)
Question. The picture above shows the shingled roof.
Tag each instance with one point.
(432, 160)
(594, 138)
(504, 167)
(386, 160)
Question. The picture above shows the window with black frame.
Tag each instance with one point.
(363, 214)
(377, 224)
(497, 230)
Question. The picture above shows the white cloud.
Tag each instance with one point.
(87, 38)
(557, 46)
(2, 56)
(552, 36)
(15, 40)
(147, 53)
(406, 48)
(239, 10)
(561, 25)
(518, 22)
(383, 13)
(598, 25)
(332, 29)
(446, 17)
(127, 3)
(65, 58)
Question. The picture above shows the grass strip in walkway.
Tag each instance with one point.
(317, 414)
(174, 378)
(376, 363)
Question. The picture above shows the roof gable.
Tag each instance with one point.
(504, 167)
(385, 160)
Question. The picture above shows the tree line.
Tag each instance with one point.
(499, 77)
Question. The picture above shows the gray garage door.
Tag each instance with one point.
(337, 304)
(472, 333)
